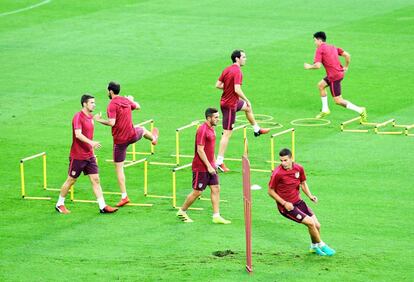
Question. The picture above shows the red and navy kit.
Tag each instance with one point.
(81, 150)
(205, 136)
(120, 109)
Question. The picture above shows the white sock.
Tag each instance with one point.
(124, 195)
(61, 201)
(321, 244)
(101, 202)
(183, 211)
(351, 106)
(256, 127)
(220, 160)
(314, 245)
(216, 214)
(325, 107)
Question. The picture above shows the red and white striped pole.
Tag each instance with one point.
(247, 199)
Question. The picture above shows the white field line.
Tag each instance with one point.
(26, 8)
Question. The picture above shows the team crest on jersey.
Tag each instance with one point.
(73, 172)
(297, 174)
(200, 185)
(299, 217)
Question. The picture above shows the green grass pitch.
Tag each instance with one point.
(169, 54)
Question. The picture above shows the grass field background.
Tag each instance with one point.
(169, 54)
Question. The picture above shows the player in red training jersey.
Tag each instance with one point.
(204, 168)
(124, 133)
(284, 189)
(232, 101)
(328, 56)
(82, 158)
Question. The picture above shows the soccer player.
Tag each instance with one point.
(328, 56)
(82, 158)
(232, 101)
(284, 189)
(124, 133)
(204, 171)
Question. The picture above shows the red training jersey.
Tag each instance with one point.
(81, 150)
(120, 109)
(327, 55)
(286, 182)
(205, 136)
(230, 76)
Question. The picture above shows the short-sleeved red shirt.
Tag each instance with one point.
(327, 55)
(205, 136)
(81, 150)
(286, 182)
(120, 109)
(231, 76)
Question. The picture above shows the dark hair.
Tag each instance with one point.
(85, 98)
(236, 54)
(210, 112)
(115, 87)
(320, 35)
(285, 152)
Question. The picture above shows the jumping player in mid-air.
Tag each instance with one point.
(328, 56)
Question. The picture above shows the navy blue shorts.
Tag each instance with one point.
(76, 167)
(299, 212)
(334, 86)
(229, 115)
(121, 149)
(203, 179)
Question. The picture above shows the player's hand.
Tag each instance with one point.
(248, 103)
(97, 117)
(313, 199)
(96, 145)
(211, 170)
(130, 98)
(345, 69)
(288, 206)
(307, 66)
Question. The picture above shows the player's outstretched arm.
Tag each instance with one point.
(314, 66)
(109, 122)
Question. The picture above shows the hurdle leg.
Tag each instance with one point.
(22, 178)
(44, 172)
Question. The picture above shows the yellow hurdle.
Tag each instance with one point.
(407, 128)
(146, 194)
(22, 177)
(177, 140)
(174, 186)
(272, 146)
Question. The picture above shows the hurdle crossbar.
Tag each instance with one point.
(385, 123)
(174, 186)
(44, 171)
(177, 140)
(129, 164)
(146, 194)
(272, 145)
